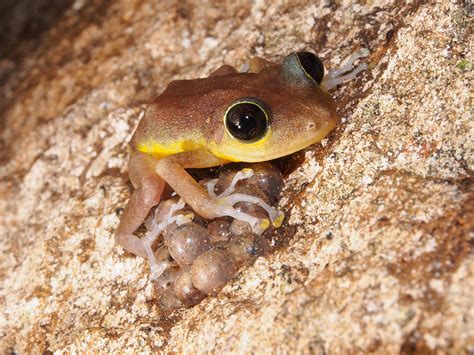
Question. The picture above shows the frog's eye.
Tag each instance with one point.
(246, 120)
(312, 65)
(302, 68)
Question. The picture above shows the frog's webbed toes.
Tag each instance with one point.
(338, 76)
(226, 201)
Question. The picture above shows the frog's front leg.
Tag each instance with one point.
(148, 189)
(172, 170)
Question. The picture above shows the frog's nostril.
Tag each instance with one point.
(311, 125)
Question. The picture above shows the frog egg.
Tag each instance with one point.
(240, 227)
(164, 288)
(196, 217)
(243, 186)
(163, 257)
(185, 290)
(166, 280)
(268, 178)
(187, 242)
(223, 180)
(246, 247)
(169, 230)
(219, 229)
(211, 271)
(251, 189)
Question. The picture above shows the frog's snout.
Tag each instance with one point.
(314, 124)
(321, 124)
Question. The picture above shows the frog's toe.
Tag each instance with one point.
(225, 202)
(347, 72)
(275, 215)
(226, 208)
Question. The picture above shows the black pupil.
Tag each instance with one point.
(246, 121)
(312, 65)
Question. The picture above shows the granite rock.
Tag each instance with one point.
(381, 258)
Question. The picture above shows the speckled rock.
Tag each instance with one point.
(382, 255)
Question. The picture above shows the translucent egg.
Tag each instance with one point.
(185, 290)
(211, 271)
(268, 178)
(239, 227)
(219, 229)
(187, 242)
(166, 280)
(168, 300)
(160, 213)
(243, 248)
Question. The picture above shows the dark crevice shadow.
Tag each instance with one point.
(24, 21)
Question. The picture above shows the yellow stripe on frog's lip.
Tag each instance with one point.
(235, 151)
(160, 150)
(231, 149)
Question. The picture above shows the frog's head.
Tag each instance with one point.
(274, 113)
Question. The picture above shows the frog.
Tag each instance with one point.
(265, 112)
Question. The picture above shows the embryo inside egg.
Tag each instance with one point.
(197, 257)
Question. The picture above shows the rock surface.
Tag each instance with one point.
(382, 258)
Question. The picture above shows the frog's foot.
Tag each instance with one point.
(227, 199)
(258, 225)
(240, 175)
(157, 267)
(338, 76)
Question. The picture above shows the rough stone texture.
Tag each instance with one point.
(382, 259)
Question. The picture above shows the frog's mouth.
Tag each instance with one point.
(269, 149)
